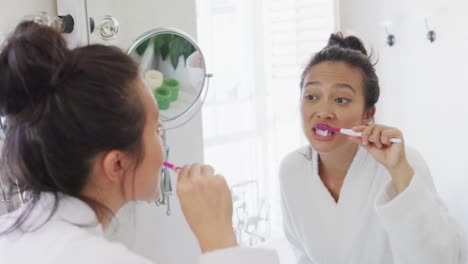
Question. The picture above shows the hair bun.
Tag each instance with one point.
(29, 63)
(350, 42)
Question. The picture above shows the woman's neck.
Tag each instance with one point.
(111, 203)
(333, 168)
(336, 163)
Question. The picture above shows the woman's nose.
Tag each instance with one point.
(325, 114)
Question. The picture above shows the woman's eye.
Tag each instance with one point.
(342, 100)
(310, 97)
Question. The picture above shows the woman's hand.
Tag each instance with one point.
(207, 205)
(376, 139)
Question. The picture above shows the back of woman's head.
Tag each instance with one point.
(351, 51)
(63, 107)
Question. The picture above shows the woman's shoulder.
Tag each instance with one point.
(63, 242)
(294, 163)
(84, 247)
(297, 157)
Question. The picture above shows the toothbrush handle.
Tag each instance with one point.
(395, 140)
(352, 133)
(172, 167)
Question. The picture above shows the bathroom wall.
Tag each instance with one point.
(424, 85)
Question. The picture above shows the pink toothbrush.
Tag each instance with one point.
(172, 167)
(349, 132)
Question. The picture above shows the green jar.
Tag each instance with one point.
(173, 86)
(163, 97)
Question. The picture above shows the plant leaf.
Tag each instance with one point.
(173, 46)
(176, 48)
(161, 45)
(188, 50)
(142, 47)
(164, 52)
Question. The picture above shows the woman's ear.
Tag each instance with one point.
(369, 115)
(115, 164)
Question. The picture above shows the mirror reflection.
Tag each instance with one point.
(173, 67)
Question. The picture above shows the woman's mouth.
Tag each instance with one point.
(322, 135)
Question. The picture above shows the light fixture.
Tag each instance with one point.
(64, 24)
(106, 26)
(390, 38)
(431, 35)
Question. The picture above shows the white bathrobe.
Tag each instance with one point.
(62, 240)
(370, 223)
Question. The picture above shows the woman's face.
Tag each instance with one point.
(333, 94)
(148, 172)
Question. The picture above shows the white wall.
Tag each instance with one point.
(424, 86)
(12, 12)
(144, 227)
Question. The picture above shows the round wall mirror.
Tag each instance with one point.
(173, 67)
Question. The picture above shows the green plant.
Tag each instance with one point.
(171, 45)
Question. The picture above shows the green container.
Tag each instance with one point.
(163, 97)
(173, 85)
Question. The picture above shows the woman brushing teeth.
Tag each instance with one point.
(363, 198)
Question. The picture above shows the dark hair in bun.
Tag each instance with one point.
(351, 51)
(30, 62)
(350, 42)
(64, 107)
